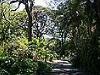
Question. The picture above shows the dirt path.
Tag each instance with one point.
(64, 68)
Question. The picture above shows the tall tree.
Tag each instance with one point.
(81, 20)
(28, 7)
(97, 9)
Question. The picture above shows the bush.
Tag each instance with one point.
(87, 62)
(14, 66)
(20, 66)
(43, 68)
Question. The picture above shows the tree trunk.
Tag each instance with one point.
(29, 13)
(97, 9)
(30, 28)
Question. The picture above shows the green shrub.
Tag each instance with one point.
(43, 68)
(20, 66)
(14, 66)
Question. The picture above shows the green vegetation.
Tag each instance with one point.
(74, 28)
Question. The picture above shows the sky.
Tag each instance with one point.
(42, 3)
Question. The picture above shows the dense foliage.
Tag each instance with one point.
(77, 20)
(16, 57)
(74, 30)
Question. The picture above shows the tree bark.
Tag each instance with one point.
(29, 13)
(97, 9)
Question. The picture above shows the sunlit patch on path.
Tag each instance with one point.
(64, 68)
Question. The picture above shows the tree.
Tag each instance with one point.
(97, 10)
(28, 7)
(80, 21)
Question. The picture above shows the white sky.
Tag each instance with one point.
(42, 3)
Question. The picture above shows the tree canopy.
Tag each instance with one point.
(73, 30)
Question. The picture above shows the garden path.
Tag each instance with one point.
(61, 67)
